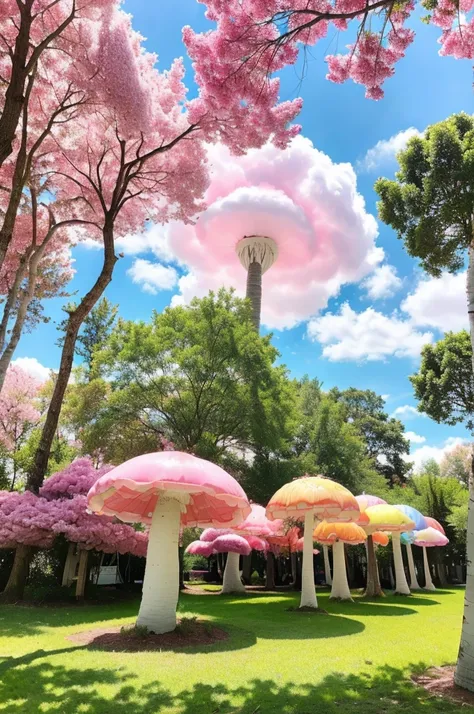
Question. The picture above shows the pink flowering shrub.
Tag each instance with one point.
(61, 508)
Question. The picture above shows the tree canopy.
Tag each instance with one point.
(430, 204)
(444, 383)
(189, 374)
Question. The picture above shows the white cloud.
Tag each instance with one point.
(385, 397)
(439, 302)
(385, 151)
(155, 240)
(368, 335)
(426, 453)
(152, 277)
(382, 283)
(414, 438)
(407, 412)
(33, 367)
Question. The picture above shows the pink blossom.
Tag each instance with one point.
(18, 407)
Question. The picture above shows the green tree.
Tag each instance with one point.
(190, 375)
(444, 383)
(337, 450)
(431, 207)
(384, 437)
(95, 331)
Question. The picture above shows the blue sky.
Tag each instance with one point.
(342, 123)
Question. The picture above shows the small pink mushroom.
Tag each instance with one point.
(198, 547)
(235, 546)
(167, 489)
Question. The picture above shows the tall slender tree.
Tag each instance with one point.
(430, 205)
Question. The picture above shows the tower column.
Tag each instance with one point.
(257, 254)
(254, 291)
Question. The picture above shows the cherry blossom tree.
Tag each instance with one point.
(18, 412)
(37, 266)
(140, 157)
(28, 521)
(255, 38)
(45, 73)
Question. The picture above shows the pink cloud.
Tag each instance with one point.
(308, 204)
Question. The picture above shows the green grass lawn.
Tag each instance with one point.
(356, 659)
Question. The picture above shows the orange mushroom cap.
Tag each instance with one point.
(327, 499)
(345, 532)
(380, 538)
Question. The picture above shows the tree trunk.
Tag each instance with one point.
(270, 572)
(428, 581)
(232, 582)
(464, 674)
(254, 291)
(247, 569)
(401, 585)
(82, 574)
(294, 569)
(161, 582)
(327, 566)
(373, 587)
(340, 586)
(14, 96)
(69, 566)
(411, 566)
(15, 586)
(76, 318)
(308, 590)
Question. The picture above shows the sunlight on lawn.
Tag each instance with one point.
(275, 661)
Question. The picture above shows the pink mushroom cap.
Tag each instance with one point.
(256, 543)
(256, 523)
(198, 547)
(210, 534)
(433, 523)
(132, 490)
(298, 546)
(365, 501)
(231, 543)
(430, 538)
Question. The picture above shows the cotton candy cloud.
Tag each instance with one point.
(308, 204)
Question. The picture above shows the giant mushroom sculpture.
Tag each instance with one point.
(166, 490)
(430, 537)
(390, 519)
(336, 534)
(373, 587)
(408, 538)
(313, 497)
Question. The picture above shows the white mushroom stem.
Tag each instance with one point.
(411, 566)
(327, 566)
(308, 591)
(428, 582)
(231, 582)
(401, 585)
(161, 582)
(340, 586)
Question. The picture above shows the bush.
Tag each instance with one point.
(194, 562)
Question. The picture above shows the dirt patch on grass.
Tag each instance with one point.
(440, 682)
(116, 639)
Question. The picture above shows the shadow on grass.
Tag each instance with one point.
(24, 621)
(46, 686)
